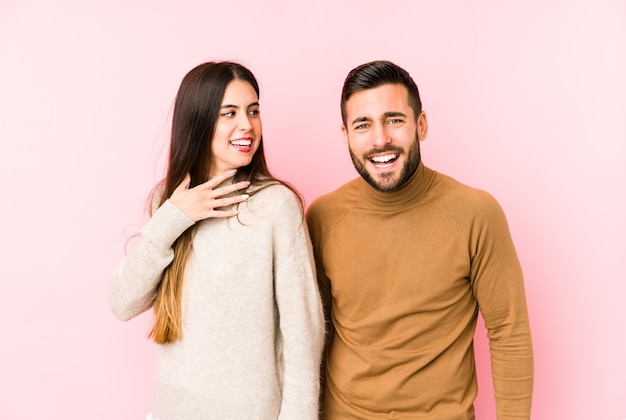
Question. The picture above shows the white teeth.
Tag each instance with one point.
(242, 143)
(383, 159)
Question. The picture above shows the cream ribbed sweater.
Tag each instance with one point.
(252, 318)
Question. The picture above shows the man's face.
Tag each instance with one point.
(383, 134)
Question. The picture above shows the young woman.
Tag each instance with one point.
(225, 263)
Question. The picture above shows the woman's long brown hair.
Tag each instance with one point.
(196, 110)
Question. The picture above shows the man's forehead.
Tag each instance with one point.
(378, 101)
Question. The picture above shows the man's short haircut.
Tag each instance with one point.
(377, 73)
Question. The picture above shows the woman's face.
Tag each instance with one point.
(238, 128)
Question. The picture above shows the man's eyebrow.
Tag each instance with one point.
(388, 114)
(361, 119)
(394, 114)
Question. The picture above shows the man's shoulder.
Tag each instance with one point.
(335, 203)
(460, 198)
(454, 184)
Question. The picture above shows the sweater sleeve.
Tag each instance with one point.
(300, 313)
(133, 286)
(315, 229)
(499, 289)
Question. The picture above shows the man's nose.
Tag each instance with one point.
(380, 137)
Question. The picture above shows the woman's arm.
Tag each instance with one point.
(133, 287)
(134, 283)
(300, 311)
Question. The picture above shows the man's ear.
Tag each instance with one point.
(345, 134)
(422, 126)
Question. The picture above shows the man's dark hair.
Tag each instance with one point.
(375, 74)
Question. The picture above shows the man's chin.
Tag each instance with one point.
(383, 181)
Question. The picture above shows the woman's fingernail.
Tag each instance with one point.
(245, 196)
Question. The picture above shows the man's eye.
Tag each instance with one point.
(361, 126)
(394, 121)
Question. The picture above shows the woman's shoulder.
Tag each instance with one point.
(275, 192)
(275, 197)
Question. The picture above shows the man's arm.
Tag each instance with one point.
(498, 285)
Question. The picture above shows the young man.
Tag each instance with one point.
(406, 258)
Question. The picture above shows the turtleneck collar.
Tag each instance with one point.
(410, 193)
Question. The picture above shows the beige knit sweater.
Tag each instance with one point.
(252, 317)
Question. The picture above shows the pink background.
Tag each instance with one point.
(525, 99)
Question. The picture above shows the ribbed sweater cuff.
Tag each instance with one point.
(166, 224)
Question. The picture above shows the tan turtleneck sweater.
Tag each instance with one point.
(404, 275)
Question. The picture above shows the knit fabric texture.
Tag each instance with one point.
(253, 328)
(403, 275)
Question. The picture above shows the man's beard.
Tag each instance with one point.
(385, 182)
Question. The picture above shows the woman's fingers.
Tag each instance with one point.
(218, 179)
(205, 201)
(229, 201)
(227, 189)
(212, 183)
(222, 207)
(223, 213)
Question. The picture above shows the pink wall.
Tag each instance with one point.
(525, 100)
